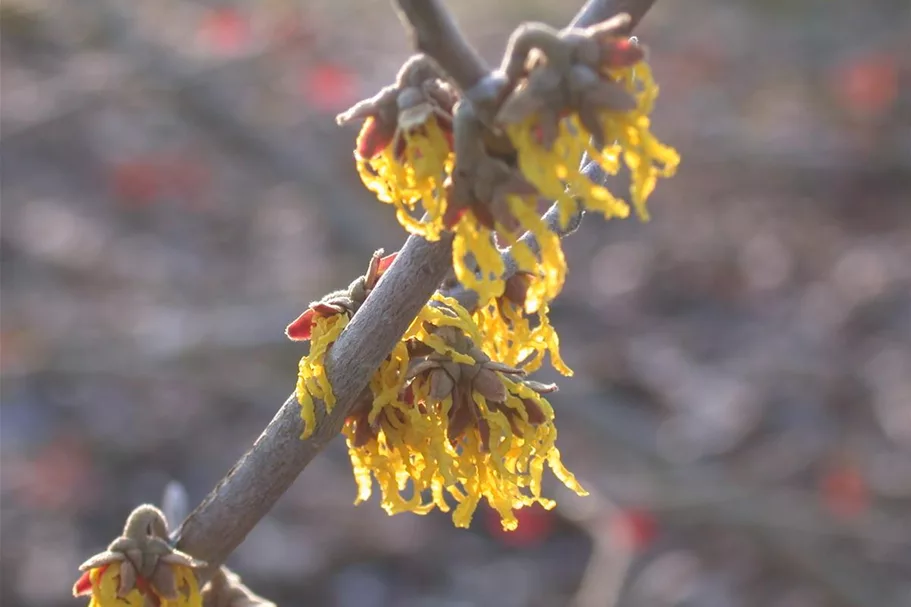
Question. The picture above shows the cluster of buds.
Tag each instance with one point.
(583, 91)
(140, 568)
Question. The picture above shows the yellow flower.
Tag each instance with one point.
(473, 242)
(519, 339)
(451, 421)
(556, 172)
(312, 380)
(104, 584)
(408, 168)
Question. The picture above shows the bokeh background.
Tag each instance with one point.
(175, 190)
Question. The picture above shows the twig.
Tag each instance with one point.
(278, 456)
(436, 35)
(596, 11)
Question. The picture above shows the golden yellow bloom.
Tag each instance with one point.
(473, 242)
(451, 422)
(513, 337)
(103, 583)
(556, 172)
(408, 169)
(312, 380)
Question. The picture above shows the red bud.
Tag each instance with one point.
(620, 53)
(84, 584)
(373, 138)
(385, 262)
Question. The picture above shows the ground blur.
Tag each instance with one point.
(175, 190)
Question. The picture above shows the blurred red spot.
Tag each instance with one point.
(292, 33)
(224, 30)
(868, 85)
(634, 529)
(135, 182)
(535, 526)
(621, 53)
(328, 87)
(57, 477)
(844, 491)
(188, 178)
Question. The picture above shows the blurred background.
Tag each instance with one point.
(175, 191)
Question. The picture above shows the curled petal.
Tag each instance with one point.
(83, 585)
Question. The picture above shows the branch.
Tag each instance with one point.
(596, 11)
(278, 456)
(250, 489)
(436, 34)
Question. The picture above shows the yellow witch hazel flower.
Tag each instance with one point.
(488, 198)
(321, 323)
(404, 149)
(140, 568)
(587, 91)
(515, 337)
(444, 420)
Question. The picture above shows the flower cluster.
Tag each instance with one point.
(567, 93)
(444, 417)
(140, 568)
(586, 91)
(451, 415)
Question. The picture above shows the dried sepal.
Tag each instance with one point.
(226, 589)
(567, 72)
(345, 301)
(141, 563)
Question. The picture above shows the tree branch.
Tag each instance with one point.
(250, 489)
(596, 11)
(436, 34)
